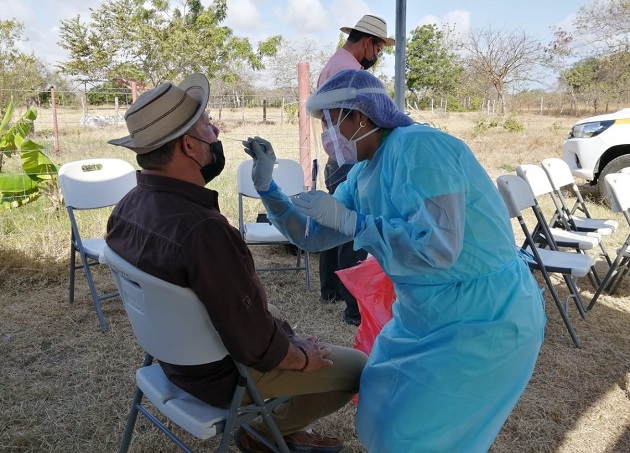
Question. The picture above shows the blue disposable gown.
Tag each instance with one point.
(468, 321)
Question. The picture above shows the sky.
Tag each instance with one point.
(314, 19)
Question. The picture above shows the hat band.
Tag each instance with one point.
(162, 117)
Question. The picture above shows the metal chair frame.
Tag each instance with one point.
(85, 185)
(173, 325)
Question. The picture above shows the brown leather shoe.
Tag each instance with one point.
(312, 442)
(247, 444)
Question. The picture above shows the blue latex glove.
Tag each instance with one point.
(264, 160)
(327, 211)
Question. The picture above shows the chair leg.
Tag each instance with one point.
(605, 253)
(607, 280)
(616, 281)
(575, 295)
(131, 421)
(307, 270)
(563, 312)
(95, 298)
(133, 412)
(73, 267)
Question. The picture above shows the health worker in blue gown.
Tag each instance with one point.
(468, 321)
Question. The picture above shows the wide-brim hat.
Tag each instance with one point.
(372, 25)
(164, 113)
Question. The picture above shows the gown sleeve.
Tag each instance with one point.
(292, 223)
(415, 225)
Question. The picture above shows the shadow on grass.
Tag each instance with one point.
(67, 387)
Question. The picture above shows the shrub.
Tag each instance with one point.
(513, 125)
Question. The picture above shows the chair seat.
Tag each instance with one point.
(198, 418)
(262, 232)
(584, 240)
(575, 264)
(604, 227)
(94, 249)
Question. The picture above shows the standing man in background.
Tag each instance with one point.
(360, 51)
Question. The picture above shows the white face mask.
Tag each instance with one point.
(338, 147)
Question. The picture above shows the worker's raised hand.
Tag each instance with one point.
(264, 160)
(327, 211)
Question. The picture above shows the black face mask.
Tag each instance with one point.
(367, 64)
(211, 171)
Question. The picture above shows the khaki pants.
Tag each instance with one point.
(313, 394)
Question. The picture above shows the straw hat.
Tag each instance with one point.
(372, 25)
(164, 113)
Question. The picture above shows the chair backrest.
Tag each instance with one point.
(95, 183)
(618, 185)
(536, 177)
(287, 174)
(559, 173)
(515, 193)
(169, 321)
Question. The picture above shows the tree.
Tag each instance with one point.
(38, 174)
(557, 54)
(283, 66)
(22, 76)
(152, 41)
(503, 58)
(606, 24)
(600, 80)
(432, 67)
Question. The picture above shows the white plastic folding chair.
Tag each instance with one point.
(564, 236)
(618, 189)
(172, 324)
(86, 185)
(518, 197)
(289, 176)
(561, 179)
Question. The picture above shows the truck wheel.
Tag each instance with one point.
(613, 167)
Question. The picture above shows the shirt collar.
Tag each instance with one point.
(194, 192)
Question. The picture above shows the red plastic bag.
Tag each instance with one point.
(375, 295)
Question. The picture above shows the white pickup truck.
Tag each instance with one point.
(597, 146)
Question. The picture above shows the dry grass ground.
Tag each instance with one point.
(66, 387)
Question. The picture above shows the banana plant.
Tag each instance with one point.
(38, 174)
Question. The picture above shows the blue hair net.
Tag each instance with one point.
(357, 90)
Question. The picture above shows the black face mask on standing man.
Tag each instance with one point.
(211, 171)
(367, 64)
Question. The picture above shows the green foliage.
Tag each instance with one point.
(38, 172)
(508, 168)
(432, 68)
(22, 76)
(482, 125)
(600, 79)
(557, 126)
(292, 111)
(513, 125)
(105, 93)
(152, 42)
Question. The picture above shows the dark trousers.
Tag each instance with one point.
(337, 258)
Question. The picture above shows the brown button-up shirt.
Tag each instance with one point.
(173, 230)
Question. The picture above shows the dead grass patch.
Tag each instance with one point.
(67, 387)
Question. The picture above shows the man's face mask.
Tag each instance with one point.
(338, 147)
(367, 64)
(211, 171)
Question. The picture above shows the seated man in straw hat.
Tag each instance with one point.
(360, 51)
(170, 226)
